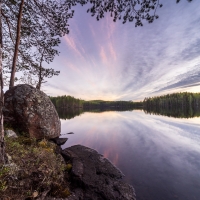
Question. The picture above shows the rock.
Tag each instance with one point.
(30, 111)
(70, 133)
(71, 197)
(95, 177)
(10, 134)
(59, 141)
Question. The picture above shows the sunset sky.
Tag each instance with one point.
(112, 61)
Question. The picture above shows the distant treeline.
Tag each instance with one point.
(66, 102)
(111, 104)
(176, 105)
(170, 101)
(71, 102)
(183, 105)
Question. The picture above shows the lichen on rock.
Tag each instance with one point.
(30, 111)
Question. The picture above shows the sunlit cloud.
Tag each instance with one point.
(72, 44)
(92, 31)
(73, 67)
(112, 52)
(112, 61)
(103, 56)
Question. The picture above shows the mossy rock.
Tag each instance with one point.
(69, 167)
(36, 161)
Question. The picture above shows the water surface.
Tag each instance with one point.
(160, 156)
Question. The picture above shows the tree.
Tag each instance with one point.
(45, 51)
(19, 23)
(2, 146)
(37, 18)
(40, 24)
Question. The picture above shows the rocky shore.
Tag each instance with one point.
(94, 177)
(40, 171)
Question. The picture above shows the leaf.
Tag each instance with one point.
(35, 194)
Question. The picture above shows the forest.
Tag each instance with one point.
(183, 104)
(71, 102)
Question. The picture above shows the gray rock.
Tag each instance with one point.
(59, 141)
(10, 134)
(95, 177)
(70, 133)
(30, 110)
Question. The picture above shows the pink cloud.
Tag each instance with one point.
(71, 66)
(112, 51)
(92, 31)
(111, 26)
(74, 68)
(72, 44)
(103, 56)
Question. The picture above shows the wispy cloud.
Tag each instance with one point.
(73, 67)
(112, 51)
(189, 79)
(103, 55)
(115, 61)
(110, 26)
(72, 44)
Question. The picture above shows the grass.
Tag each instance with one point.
(33, 170)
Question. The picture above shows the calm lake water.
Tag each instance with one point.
(159, 156)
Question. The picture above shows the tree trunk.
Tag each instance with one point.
(39, 84)
(40, 73)
(19, 22)
(2, 144)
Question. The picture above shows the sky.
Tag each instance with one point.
(113, 61)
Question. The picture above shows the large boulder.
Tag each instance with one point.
(30, 111)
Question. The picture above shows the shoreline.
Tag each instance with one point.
(43, 170)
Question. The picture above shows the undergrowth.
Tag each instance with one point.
(33, 170)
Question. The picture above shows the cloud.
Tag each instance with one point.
(110, 25)
(116, 61)
(92, 31)
(189, 79)
(71, 43)
(112, 51)
(191, 52)
(73, 67)
(103, 55)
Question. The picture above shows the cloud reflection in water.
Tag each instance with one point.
(159, 156)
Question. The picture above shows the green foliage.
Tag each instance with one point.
(68, 107)
(66, 102)
(33, 166)
(177, 105)
(111, 104)
(3, 186)
(71, 102)
(3, 171)
(45, 22)
(69, 167)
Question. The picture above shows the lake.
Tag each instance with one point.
(159, 155)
